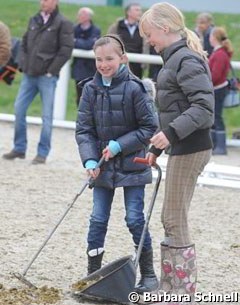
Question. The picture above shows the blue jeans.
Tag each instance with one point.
(29, 88)
(219, 98)
(134, 205)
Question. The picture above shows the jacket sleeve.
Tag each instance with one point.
(147, 123)
(86, 135)
(194, 79)
(66, 43)
(87, 44)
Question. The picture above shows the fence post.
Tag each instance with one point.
(60, 100)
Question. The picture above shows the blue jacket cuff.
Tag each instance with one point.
(90, 164)
(114, 147)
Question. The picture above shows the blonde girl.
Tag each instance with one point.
(185, 102)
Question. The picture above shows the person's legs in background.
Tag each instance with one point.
(46, 86)
(27, 91)
(78, 92)
(218, 132)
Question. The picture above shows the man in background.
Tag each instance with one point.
(204, 26)
(46, 46)
(85, 35)
(127, 29)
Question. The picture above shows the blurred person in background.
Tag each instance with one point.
(8, 72)
(85, 35)
(219, 63)
(5, 44)
(46, 46)
(127, 29)
(204, 26)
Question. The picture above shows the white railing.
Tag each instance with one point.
(60, 103)
(214, 175)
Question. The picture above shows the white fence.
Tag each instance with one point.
(214, 175)
(62, 86)
(60, 103)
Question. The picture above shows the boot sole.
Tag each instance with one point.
(18, 157)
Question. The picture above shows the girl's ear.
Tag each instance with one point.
(124, 59)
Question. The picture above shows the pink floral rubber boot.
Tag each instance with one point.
(167, 271)
(185, 272)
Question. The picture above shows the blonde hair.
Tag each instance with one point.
(220, 35)
(5, 44)
(165, 14)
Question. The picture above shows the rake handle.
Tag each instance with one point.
(87, 183)
(140, 160)
(150, 208)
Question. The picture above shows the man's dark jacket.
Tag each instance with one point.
(46, 47)
(84, 39)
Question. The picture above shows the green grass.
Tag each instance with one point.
(16, 14)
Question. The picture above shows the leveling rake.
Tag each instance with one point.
(22, 276)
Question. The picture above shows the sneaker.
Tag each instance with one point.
(13, 155)
(39, 160)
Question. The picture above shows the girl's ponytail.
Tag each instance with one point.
(193, 42)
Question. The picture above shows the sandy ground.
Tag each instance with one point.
(33, 198)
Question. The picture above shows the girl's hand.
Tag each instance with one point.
(107, 153)
(160, 140)
(93, 173)
(151, 158)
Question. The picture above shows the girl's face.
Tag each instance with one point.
(156, 37)
(108, 60)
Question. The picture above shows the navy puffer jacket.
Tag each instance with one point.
(122, 112)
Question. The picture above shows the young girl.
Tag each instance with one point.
(116, 119)
(219, 63)
(186, 102)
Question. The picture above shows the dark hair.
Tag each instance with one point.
(129, 6)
